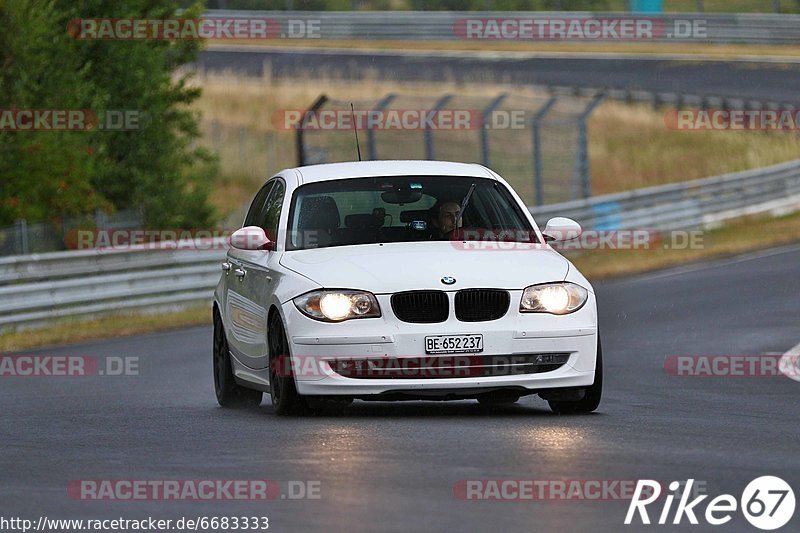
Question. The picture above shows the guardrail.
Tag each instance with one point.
(38, 289)
(445, 25)
(703, 203)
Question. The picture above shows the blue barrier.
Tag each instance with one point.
(647, 6)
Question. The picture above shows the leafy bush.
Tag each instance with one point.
(46, 174)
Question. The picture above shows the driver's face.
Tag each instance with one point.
(448, 216)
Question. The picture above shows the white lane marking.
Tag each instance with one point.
(675, 271)
(789, 364)
(494, 55)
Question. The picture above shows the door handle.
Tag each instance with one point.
(240, 272)
(226, 267)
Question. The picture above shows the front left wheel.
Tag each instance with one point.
(229, 393)
(283, 390)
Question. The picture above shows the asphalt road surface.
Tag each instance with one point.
(769, 81)
(394, 466)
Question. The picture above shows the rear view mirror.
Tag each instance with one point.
(251, 238)
(560, 229)
(401, 195)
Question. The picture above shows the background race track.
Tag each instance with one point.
(760, 79)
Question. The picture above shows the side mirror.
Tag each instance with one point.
(251, 238)
(560, 229)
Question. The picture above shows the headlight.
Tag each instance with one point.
(553, 298)
(336, 306)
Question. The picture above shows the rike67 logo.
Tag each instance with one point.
(767, 503)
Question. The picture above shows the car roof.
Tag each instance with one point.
(365, 169)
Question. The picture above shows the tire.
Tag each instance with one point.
(591, 399)
(229, 393)
(283, 390)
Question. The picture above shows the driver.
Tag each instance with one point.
(445, 219)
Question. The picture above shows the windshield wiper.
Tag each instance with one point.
(464, 203)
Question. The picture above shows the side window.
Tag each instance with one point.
(254, 213)
(271, 213)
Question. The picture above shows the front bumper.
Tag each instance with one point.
(311, 343)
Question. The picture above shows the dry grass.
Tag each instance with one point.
(737, 237)
(698, 49)
(238, 122)
(630, 145)
(71, 331)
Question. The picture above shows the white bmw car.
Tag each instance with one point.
(397, 280)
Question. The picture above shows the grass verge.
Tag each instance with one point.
(75, 330)
(630, 146)
(743, 235)
(698, 50)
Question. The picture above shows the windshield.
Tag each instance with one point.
(403, 209)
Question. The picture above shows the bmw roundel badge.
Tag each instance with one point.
(447, 280)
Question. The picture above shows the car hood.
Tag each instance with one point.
(396, 267)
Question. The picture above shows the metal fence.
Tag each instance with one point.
(541, 142)
(36, 290)
(24, 238)
(244, 150)
(446, 25)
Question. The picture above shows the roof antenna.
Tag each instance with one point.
(355, 129)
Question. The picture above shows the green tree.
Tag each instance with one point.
(42, 174)
(153, 168)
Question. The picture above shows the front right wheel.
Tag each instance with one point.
(592, 395)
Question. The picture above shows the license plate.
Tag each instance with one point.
(454, 344)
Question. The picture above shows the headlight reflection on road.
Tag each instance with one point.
(569, 439)
(342, 451)
(344, 459)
